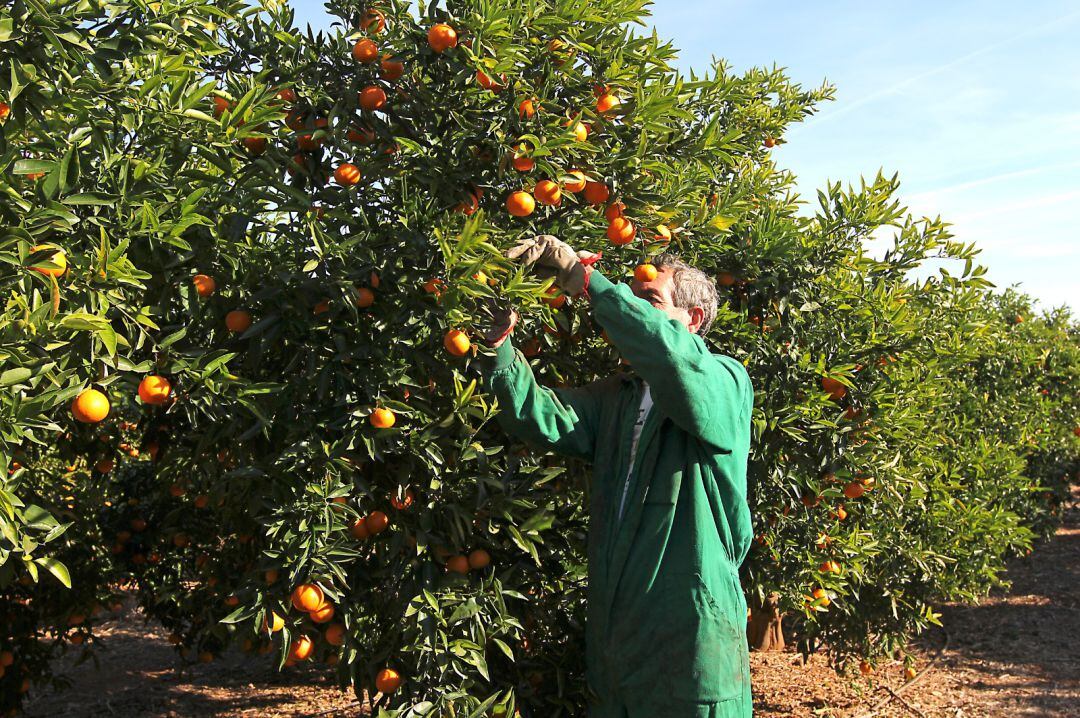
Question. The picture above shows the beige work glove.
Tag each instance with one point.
(553, 258)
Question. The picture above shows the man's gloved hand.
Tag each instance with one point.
(503, 320)
(553, 258)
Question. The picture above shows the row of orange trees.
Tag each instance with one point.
(242, 269)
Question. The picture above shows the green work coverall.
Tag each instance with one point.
(666, 628)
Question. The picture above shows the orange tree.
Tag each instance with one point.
(298, 235)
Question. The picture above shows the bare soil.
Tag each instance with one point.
(1014, 655)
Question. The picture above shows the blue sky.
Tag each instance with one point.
(975, 104)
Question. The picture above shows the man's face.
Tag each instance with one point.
(658, 293)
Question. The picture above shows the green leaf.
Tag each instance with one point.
(56, 568)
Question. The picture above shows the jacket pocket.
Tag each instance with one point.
(704, 652)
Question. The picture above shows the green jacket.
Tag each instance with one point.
(666, 633)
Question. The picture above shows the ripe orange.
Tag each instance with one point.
(104, 466)
(202, 501)
(457, 564)
(607, 102)
(388, 680)
(382, 418)
(615, 209)
(359, 529)
(726, 279)
(581, 132)
(829, 567)
(90, 406)
(204, 285)
(457, 342)
(524, 164)
(527, 109)
(372, 98)
(255, 145)
(577, 183)
(287, 94)
(154, 389)
(335, 634)
(910, 673)
(547, 192)
(321, 308)
(307, 597)
(232, 601)
(138, 525)
(835, 389)
(365, 51)
(5, 110)
(301, 648)
(810, 499)
(347, 174)
(376, 522)
(596, 192)
(306, 142)
(770, 142)
(220, 105)
(435, 286)
(865, 668)
(520, 204)
(488, 83)
(479, 559)
(554, 299)
(373, 21)
(181, 540)
(238, 321)
(821, 595)
(663, 234)
(645, 272)
(58, 258)
(442, 37)
(271, 576)
(841, 513)
(405, 503)
(177, 490)
(621, 231)
(391, 69)
(364, 297)
(854, 490)
(323, 613)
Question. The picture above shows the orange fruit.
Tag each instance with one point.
(322, 307)
(365, 51)
(382, 418)
(520, 204)
(910, 673)
(5, 110)
(388, 680)
(364, 297)
(581, 132)
(359, 529)
(821, 595)
(841, 513)
(770, 142)
(524, 164)
(90, 406)
(372, 98)
(232, 601)
(663, 234)
(527, 109)
(177, 490)
(373, 21)
(204, 285)
(810, 499)
(335, 634)
(829, 567)
(854, 490)
(347, 174)
(58, 258)
(287, 94)
(457, 564)
(391, 69)
(577, 183)
(220, 105)
(865, 668)
(307, 597)
(726, 279)
(547, 192)
(488, 83)
(442, 37)
(645, 272)
(554, 299)
(457, 342)
(596, 192)
(104, 466)
(154, 389)
(434, 286)
(607, 102)
(835, 389)
(202, 501)
(301, 648)
(615, 209)
(138, 525)
(376, 522)
(238, 321)
(181, 540)
(271, 576)
(405, 503)
(621, 231)
(297, 167)
(255, 145)
(361, 135)
(323, 613)
(479, 559)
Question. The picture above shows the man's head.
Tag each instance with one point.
(685, 294)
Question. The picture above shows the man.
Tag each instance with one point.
(669, 523)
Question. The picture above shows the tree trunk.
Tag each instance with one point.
(764, 631)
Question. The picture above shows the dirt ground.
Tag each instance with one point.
(1014, 655)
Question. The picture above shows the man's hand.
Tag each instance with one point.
(503, 320)
(553, 258)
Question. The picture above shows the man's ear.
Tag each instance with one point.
(697, 318)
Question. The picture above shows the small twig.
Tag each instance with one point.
(354, 704)
(893, 694)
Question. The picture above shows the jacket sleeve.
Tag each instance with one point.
(562, 420)
(708, 395)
